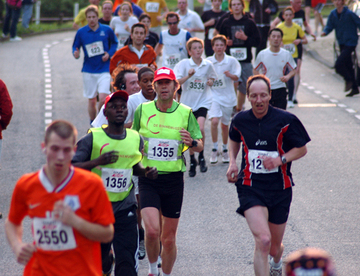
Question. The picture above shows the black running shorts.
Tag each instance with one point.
(276, 201)
(164, 193)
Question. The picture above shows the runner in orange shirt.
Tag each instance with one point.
(70, 211)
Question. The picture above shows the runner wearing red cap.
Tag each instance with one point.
(168, 128)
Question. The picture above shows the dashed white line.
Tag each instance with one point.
(350, 110)
(334, 101)
(317, 92)
(341, 105)
(325, 96)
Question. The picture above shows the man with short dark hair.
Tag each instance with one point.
(136, 53)
(99, 43)
(346, 24)
(271, 139)
(114, 153)
(278, 65)
(173, 41)
(107, 12)
(70, 212)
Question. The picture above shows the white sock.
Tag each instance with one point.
(164, 274)
(216, 145)
(224, 146)
(153, 268)
(275, 265)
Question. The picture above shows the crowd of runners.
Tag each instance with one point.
(145, 116)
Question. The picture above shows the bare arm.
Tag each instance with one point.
(186, 138)
(288, 76)
(293, 154)
(23, 251)
(92, 231)
(232, 172)
(104, 159)
(76, 26)
(275, 23)
(158, 49)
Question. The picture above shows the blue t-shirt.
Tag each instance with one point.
(98, 42)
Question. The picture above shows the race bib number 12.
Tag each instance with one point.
(256, 157)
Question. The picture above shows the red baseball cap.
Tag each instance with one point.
(117, 94)
(164, 73)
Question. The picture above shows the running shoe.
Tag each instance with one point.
(142, 251)
(153, 274)
(225, 156)
(192, 171)
(275, 271)
(4, 35)
(16, 38)
(353, 92)
(202, 163)
(159, 261)
(295, 101)
(290, 104)
(213, 156)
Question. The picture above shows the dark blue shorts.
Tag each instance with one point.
(276, 201)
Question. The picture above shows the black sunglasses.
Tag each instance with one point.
(173, 23)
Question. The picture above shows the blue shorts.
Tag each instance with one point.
(276, 201)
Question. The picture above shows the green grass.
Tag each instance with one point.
(42, 27)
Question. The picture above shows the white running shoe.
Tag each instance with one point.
(213, 156)
(142, 252)
(225, 156)
(159, 262)
(275, 271)
(4, 35)
(16, 38)
(290, 104)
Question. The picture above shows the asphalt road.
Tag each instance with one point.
(212, 238)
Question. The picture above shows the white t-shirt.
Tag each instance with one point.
(195, 92)
(119, 28)
(190, 20)
(223, 91)
(133, 102)
(274, 65)
(174, 48)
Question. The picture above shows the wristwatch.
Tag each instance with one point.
(283, 159)
(194, 143)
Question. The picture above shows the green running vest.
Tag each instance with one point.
(116, 176)
(163, 146)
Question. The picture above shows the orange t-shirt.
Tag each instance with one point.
(119, 2)
(61, 250)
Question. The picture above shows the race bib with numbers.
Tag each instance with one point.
(116, 180)
(255, 158)
(298, 21)
(122, 39)
(239, 53)
(162, 150)
(197, 84)
(50, 234)
(172, 60)
(211, 33)
(152, 7)
(290, 48)
(95, 49)
(219, 82)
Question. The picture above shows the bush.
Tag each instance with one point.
(51, 8)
